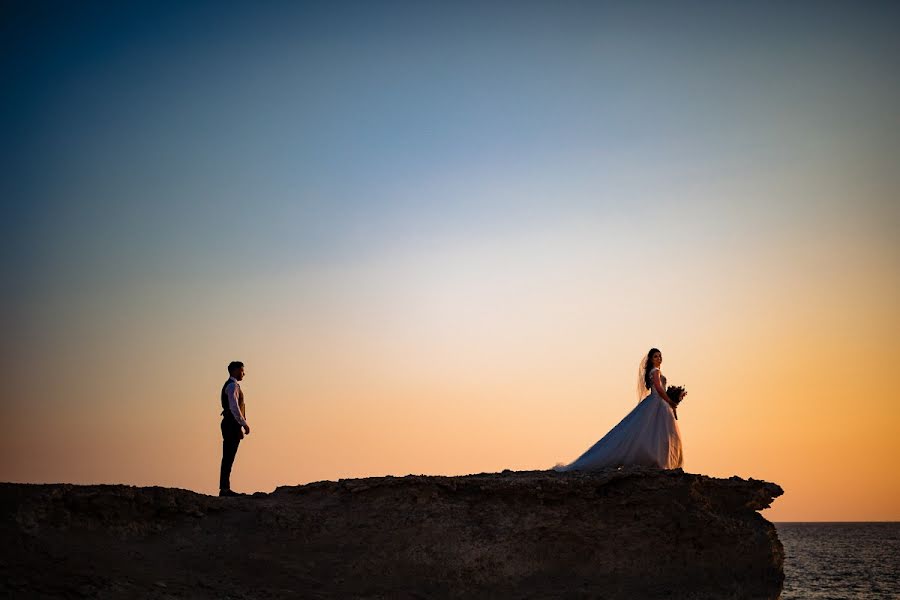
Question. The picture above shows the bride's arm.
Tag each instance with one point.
(660, 389)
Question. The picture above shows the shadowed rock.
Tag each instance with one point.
(630, 533)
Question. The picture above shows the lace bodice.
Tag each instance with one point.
(662, 379)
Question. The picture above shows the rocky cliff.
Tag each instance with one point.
(631, 533)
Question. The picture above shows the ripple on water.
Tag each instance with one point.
(840, 561)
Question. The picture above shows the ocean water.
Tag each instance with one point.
(840, 561)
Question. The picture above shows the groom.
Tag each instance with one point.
(234, 424)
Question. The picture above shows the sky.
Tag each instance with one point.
(441, 237)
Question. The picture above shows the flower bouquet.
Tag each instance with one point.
(676, 394)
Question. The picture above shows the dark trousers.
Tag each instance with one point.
(231, 438)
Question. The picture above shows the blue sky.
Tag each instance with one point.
(319, 129)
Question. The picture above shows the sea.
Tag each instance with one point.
(840, 561)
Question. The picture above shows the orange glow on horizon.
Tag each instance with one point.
(439, 378)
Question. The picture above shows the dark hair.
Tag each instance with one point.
(649, 366)
(234, 365)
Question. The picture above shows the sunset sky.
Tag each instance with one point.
(441, 236)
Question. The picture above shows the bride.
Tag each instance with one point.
(647, 436)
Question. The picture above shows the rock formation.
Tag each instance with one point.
(629, 533)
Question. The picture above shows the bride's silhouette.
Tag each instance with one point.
(647, 436)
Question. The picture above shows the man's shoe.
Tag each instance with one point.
(228, 493)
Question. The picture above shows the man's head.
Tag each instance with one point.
(236, 369)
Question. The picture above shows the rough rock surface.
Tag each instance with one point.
(630, 533)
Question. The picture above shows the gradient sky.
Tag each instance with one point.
(442, 235)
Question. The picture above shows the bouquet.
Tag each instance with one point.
(676, 394)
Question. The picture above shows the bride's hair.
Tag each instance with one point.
(648, 366)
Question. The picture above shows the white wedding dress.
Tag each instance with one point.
(647, 436)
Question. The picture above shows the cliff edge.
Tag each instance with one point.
(629, 533)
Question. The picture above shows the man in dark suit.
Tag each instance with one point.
(234, 424)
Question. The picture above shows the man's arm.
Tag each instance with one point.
(231, 391)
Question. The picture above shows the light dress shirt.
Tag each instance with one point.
(236, 400)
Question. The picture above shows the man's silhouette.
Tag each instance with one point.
(234, 424)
